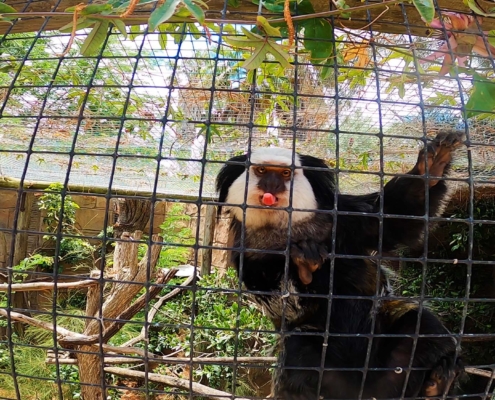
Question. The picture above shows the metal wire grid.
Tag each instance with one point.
(191, 84)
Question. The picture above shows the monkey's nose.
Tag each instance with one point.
(268, 199)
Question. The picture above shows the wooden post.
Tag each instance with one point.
(19, 300)
(208, 236)
(21, 241)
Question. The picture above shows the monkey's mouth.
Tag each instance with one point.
(268, 199)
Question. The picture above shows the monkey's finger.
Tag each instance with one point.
(323, 250)
(314, 251)
(296, 252)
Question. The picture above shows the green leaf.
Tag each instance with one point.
(280, 54)
(241, 42)
(233, 3)
(474, 7)
(82, 23)
(120, 25)
(196, 11)
(304, 7)
(426, 9)
(135, 32)
(193, 29)
(96, 9)
(262, 47)
(275, 8)
(342, 5)
(6, 9)
(269, 30)
(256, 58)
(491, 37)
(482, 98)
(95, 39)
(162, 13)
(318, 36)
(122, 5)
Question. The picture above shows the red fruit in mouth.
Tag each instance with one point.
(268, 199)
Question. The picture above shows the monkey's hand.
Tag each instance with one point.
(438, 154)
(442, 377)
(308, 256)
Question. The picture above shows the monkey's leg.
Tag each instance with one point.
(433, 357)
(442, 377)
(308, 256)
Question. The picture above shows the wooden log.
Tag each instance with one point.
(40, 286)
(174, 360)
(184, 384)
(208, 235)
(392, 21)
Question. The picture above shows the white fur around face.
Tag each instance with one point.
(302, 198)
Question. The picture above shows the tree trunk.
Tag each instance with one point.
(134, 215)
(127, 269)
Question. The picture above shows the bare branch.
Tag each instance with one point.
(40, 324)
(174, 360)
(480, 372)
(175, 382)
(38, 286)
(152, 312)
(126, 315)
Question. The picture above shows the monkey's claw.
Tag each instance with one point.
(308, 256)
(439, 155)
(448, 139)
(442, 377)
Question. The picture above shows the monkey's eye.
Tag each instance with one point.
(261, 170)
(286, 173)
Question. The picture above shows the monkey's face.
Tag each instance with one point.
(269, 187)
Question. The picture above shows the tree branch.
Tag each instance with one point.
(152, 312)
(125, 316)
(175, 382)
(173, 360)
(38, 286)
(480, 372)
(40, 324)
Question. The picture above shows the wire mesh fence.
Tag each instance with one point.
(117, 241)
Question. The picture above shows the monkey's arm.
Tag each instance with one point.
(406, 196)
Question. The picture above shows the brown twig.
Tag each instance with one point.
(175, 382)
(132, 7)
(77, 10)
(371, 23)
(39, 286)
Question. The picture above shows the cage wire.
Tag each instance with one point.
(141, 130)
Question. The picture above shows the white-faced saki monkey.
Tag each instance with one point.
(331, 305)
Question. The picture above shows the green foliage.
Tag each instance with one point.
(262, 47)
(177, 235)
(447, 282)
(51, 203)
(71, 250)
(32, 373)
(473, 5)
(482, 99)
(217, 315)
(426, 9)
(318, 39)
